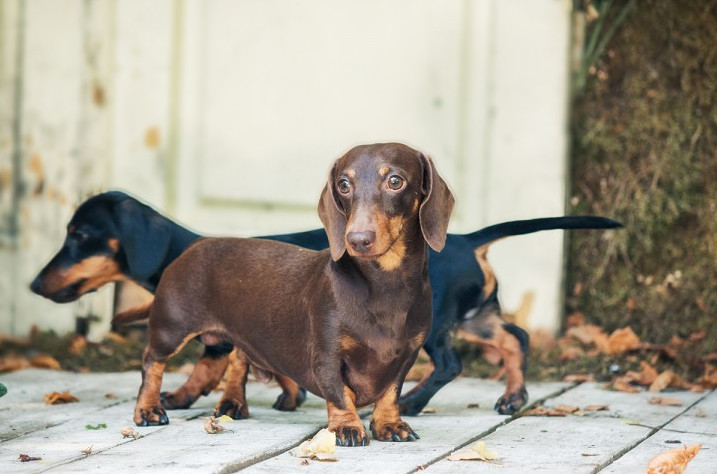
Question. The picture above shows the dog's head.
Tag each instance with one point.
(111, 237)
(381, 198)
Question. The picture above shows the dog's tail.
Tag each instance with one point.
(495, 232)
(132, 315)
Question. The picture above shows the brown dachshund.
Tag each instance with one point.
(346, 323)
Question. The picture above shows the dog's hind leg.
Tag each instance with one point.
(446, 367)
(488, 328)
(291, 397)
(233, 402)
(205, 377)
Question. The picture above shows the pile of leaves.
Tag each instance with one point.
(73, 352)
(587, 352)
(644, 152)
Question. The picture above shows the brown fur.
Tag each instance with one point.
(292, 310)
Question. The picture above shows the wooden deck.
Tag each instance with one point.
(620, 440)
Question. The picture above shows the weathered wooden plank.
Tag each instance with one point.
(696, 425)
(574, 444)
(452, 424)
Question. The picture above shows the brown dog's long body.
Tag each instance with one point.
(345, 323)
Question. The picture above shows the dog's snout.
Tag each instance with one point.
(361, 241)
(36, 285)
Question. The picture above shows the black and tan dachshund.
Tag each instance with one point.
(346, 323)
(112, 237)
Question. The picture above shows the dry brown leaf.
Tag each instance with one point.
(211, 426)
(45, 362)
(648, 374)
(118, 338)
(622, 340)
(429, 410)
(475, 452)
(78, 344)
(130, 432)
(566, 408)
(28, 458)
(543, 411)
(575, 319)
(321, 447)
(662, 381)
(673, 461)
(709, 378)
(13, 362)
(711, 357)
(588, 334)
(665, 401)
(579, 378)
(596, 408)
(697, 335)
(57, 398)
(622, 386)
(571, 353)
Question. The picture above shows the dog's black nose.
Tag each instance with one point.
(36, 285)
(361, 241)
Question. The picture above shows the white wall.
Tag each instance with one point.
(227, 115)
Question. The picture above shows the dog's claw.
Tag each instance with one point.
(511, 403)
(350, 436)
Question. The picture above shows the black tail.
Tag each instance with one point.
(506, 229)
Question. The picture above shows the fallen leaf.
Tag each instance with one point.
(709, 378)
(566, 408)
(543, 411)
(662, 381)
(664, 401)
(45, 362)
(596, 408)
(711, 357)
(475, 452)
(698, 335)
(672, 461)
(588, 334)
(56, 398)
(622, 386)
(579, 378)
(322, 447)
(28, 458)
(99, 426)
(473, 405)
(13, 362)
(647, 375)
(212, 427)
(575, 319)
(622, 340)
(225, 419)
(429, 410)
(87, 451)
(118, 338)
(110, 396)
(78, 344)
(571, 353)
(130, 432)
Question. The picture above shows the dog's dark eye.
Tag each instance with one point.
(395, 182)
(344, 186)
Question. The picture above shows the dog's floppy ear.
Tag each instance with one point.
(144, 237)
(333, 217)
(435, 210)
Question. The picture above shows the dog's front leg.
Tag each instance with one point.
(148, 411)
(344, 420)
(386, 423)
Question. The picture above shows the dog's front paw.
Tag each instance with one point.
(237, 409)
(350, 435)
(511, 403)
(178, 400)
(150, 416)
(392, 431)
